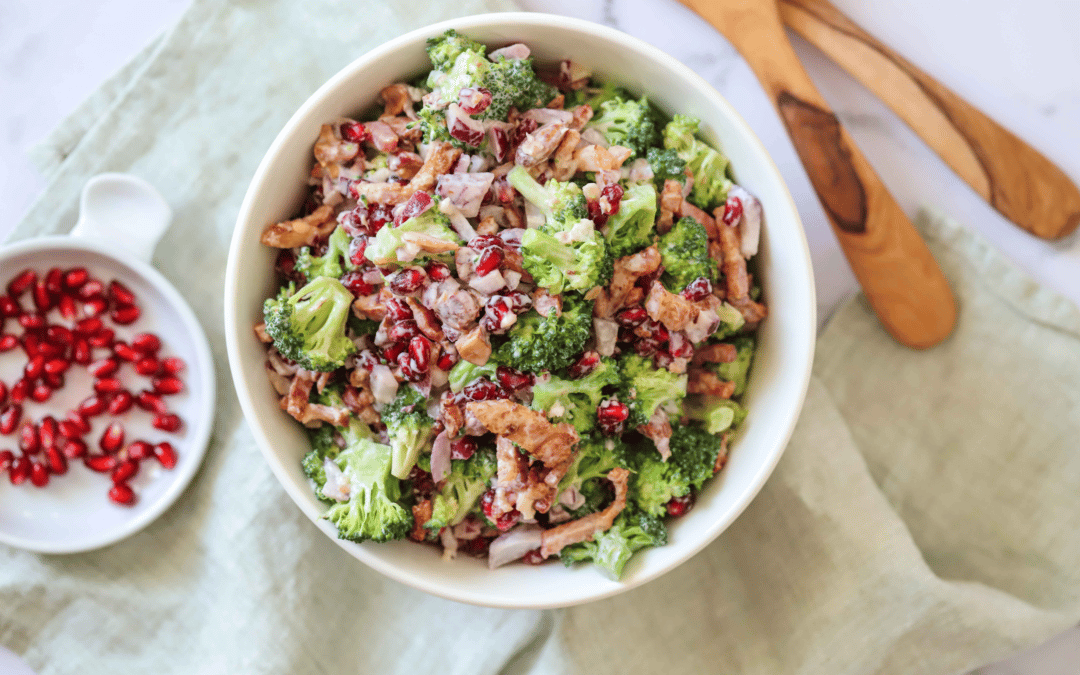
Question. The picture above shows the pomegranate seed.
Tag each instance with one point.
(22, 281)
(41, 392)
(34, 367)
(495, 316)
(112, 439)
(101, 463)
(121, 294)
(69, 429)
(9, 307)
(584, 365)
(43, 299)
(48, 431)
(354, 281)
(20, 390)
(68, 309)
(54, 281)
(7, 458)
(462, 448)
(79, 421)
(49, 351)
(631, 316)
(678, 506)
(75, 278)
(508, 520)
(484, 241)
(87, 327)
(446, 361)
(20, 471)
(102, 338)
(146, 343)
(122, 494)
(408, 280)
(169, 422)
(9, 417)
(147, 366)
(81, 353)
(103, 367)
(140, 450)
(733, 210)
(125, 315)
(32, 321)
(57, 462)
(419, 351)
(125, 471)
(354, 132)
(3, 393)
(108, 385)
(698, 289)
(172, 365)
(166, 454)
(56, 366)
(74, 448)
(611, 416)
(39, 475)
(29, 439)
(8, 342)
(489, 261)
(95, 307)
(403, 331)
(410, 370)
(54, 381)
(646, 347)
(513, 380)
(151, 402)
(121, 402)
(58, 335)
(95, 405)
(398, 310)
(393, 351)
(483, 390)
(437, 271)
(91, 289)
(533, 557)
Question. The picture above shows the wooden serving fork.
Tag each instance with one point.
(898, 274)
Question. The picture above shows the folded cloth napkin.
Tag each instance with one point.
(924, 518)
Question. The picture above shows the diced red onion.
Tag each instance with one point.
(440, 457)
(466, 191)
(383, 384)
(544, 116)
(514, 544)
(514, 52)
(419, 202)
(489, 283)
(462, 127)
(607, 333)
(382, 136)
(572, 498)
(750, 223)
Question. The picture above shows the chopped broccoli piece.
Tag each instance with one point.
(731, 321)
(666, 165)
(433, 122)
(597, 493)
(308, 325)
(656, 482)
(631, 228)
(628, 123)
(408, 427)
(371, 512)
(362, 326)
(717, 414)
(562, 204)
(580, 263)
(737, 370)
(467, 70)
(693, 454)
(576, 398)
(463, 373)
(513, 83)
(596, 456)
(334, 263)
(684, 251)
(708, 166)
(324, 446)
(382, 249)
(646, 388)
(549, 343)
(611, 549)
(459, 492)
(595, 95)
(444, 50)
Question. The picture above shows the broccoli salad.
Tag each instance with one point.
(515, 314)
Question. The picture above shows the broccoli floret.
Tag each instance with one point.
(646, 388)
(708, 166)
(463, 373)
(597, 454)
(628, 123)
(666, 165)
(611, 549)
(324, 444)
(467, 481)
(433, 123)
(514, 83)
(631, 228)
(577, 399)
(717, 414)
(595, 95)
(334, 263)
(549, 343)
(360, 326)
(444, 50)
(382, 250)
(308, 325)
(562, 204)
(731, 321)
(408, 428)
(684, 251)
(597, 493)
(655, 482)
(371, 511)
(693, 454)
(737, 370)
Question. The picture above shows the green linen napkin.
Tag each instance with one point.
(924, 518)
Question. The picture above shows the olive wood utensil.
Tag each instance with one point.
(898, 274)
(1015, 178)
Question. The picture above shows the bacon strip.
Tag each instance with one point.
(552, 444)
(301, 231)
(721, 353)
(583, 529)
(622, 292)
(441, 158)
(674, 311)
(671, 201)
(706, 382)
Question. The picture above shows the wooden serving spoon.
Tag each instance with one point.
(1018, 181)
(900, 277)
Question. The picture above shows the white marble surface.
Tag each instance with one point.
(1020, 62)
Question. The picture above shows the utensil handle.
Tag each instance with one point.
(1015, 178)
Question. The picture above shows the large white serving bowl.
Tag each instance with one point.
(780, 373)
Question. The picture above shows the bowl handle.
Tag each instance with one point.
(124, 211)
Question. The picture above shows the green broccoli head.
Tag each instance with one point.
(716, 414)
(550, 343)
(708, 166)
(433, 123)
(408, 427)
(628, 123)
(308, 325)
(693, 454)
(631, 228)
(595, 97)
(444, 50)
(463, 373)
(372, 511)
(334, 263)
(383, 248)
(577, 399)
(513, 83)
(731, 321)
(645, 388)
(684, 251)
(612, 548)
(324, 444)
(666, 165)
(562, 204)
(596, 455)
(737, 370)
(459, 492)
(655, 482)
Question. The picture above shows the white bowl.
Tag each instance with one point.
(779, 377)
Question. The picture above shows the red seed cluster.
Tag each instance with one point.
(81, 338)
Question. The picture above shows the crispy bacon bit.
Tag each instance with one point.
(405, 129)
(450, 414)
(572, 75)
(584, 528)
(721, 457)
(538, 145)
(421, 514)
(731, 262)
(331, 151)
(382, 136)
(658, 430)
(441, 158)
(621, 292)
(426, 320)
(674, 311)
(405, 164)
(396, 100)
(552, 444)
(671, 201)
(563, 163)
(721, 353)
(301, 231)
(380, 193)
(260, 332)
(474, 347)
(703, 381)
(295, 402)
(581, 116)
(688, 209)
(512, 469)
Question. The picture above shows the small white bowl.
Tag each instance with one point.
(780, 374)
